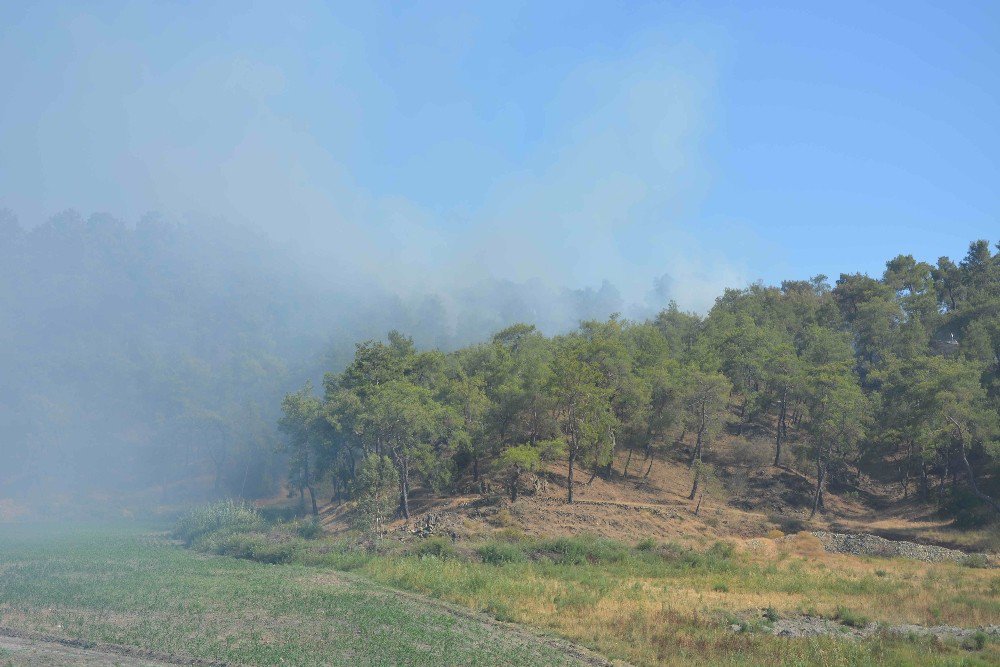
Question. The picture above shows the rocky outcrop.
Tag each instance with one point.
(871, 545)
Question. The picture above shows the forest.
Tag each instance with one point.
(896, 377)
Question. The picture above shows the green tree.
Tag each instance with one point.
(299, 421)
(376, 489)
(838, 412)
(580, 404)
(705, 399)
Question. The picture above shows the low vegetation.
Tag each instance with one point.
(129, 587)
(669, 603)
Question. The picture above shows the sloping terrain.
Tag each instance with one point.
(746, 497)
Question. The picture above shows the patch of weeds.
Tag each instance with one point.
(646, 544)
(251, 546)
(976, 642)
(500, 553)
(504, 518)
(978, 561)
(583, 549)
(227, 516)
(720, 587)
(511, 534)
(309, 529)
(500, 611)
(881, 573)
(435, 547)
(850, 618)
(771, 615)
(936, 613)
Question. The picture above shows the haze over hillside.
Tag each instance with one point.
(158, 352)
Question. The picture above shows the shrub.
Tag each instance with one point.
(976, 561)
(646, 544)
(976, 642)
(227, 516)
(500, 553)
(309, 529)
(771, 615)
(720, 587)
(775, 534)
(435, 547)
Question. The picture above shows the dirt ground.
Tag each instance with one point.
(747, 498)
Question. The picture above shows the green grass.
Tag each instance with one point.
(667, 604)
(126, 586)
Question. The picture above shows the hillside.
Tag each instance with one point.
(752, 499)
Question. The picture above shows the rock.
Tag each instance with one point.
(864, 544)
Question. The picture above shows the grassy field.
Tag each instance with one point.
(129, 587)
(648, 604)
(661, 604)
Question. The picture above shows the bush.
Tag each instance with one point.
(227, 517)
(646, 544)
(309, 529)
(435, 547)
(976, 642)
(979, 561)
(969, 511)
(500, 553)
(718, 557)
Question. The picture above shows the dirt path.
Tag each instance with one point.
(28, 649)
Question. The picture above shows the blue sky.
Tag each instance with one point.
(428, 145)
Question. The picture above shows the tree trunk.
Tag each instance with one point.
(820, 478)
(696, 454)
(778, 432)
(475, 468)
(404, 483)
(651, 457)
(312, 498)
(697, 478)
(628, 460)
(569, 485)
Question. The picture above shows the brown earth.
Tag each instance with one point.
(746, 497)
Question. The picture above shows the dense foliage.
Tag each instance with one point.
(898, 376)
